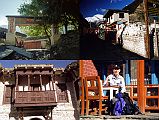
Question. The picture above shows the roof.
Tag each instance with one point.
(132, 6)
(37, 38)
(101, 22)
(111, 11)
(5, 30)
(20, 16)
(20, 51)
(8, 50)
(35, 66)
(4, 52)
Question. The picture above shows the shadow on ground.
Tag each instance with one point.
(91, 47)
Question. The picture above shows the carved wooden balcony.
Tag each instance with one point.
(35, 98)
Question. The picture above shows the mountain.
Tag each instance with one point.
(4, 26)
(95, 18)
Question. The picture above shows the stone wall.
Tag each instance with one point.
(67, 111)
(10, 39)
(88, 68)
(4, 109)
(133, 38)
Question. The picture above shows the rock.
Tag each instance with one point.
(67, 47)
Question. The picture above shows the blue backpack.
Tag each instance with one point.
(119, 105)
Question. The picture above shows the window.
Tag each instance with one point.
(121, 15)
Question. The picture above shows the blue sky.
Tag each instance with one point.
(56, 63)
(9, 7)
(90, 8)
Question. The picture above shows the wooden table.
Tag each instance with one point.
(111, 89)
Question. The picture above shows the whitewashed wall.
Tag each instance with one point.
(133, 38)
(4, 109)
(115, 18)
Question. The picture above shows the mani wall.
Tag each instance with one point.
(134, 38)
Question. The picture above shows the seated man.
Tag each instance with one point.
(115, 79)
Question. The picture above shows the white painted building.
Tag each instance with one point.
(114, 16)
(131, 35)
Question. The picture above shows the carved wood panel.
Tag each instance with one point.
(35, 97)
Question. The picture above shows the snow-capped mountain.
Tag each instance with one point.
(95, 18)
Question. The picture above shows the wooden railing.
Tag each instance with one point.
(152, 97)
(151, 94)
(35, 98)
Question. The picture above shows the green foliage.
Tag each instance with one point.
(31, 9)
(35, 9)
(35, 30)
(59, 12)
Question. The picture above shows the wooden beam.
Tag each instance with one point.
(140, 85)
(17, 83)
(154, 1)
(147, 42)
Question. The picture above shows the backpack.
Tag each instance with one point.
(129, 108)
(119, 105)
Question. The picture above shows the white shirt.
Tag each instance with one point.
(116, 80)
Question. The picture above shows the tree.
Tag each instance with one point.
(54, 12)
(35, 9)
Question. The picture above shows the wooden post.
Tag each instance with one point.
(81, 68)
(82, 95)
(140, 85)
(17, 83)
(156, 41)
(28, 82)
(53, 82)
(41, 83)
(147, 42)
(82, 99)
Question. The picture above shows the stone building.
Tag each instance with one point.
(38, 92)
(114, 16)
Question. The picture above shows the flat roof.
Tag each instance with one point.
(26, 66)
(22, 16)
